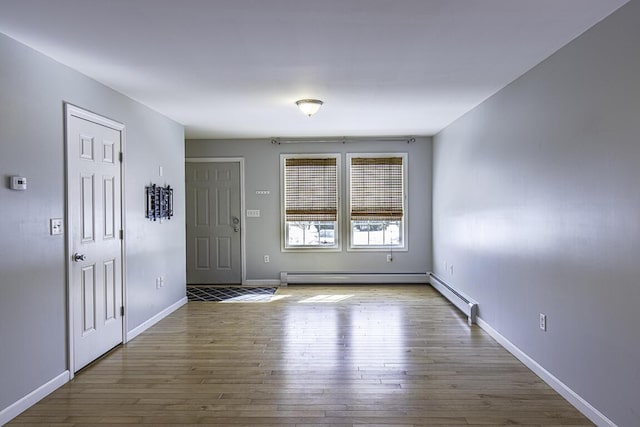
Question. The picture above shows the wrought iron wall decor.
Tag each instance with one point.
(159, 202)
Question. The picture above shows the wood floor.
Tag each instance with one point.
(339, 356)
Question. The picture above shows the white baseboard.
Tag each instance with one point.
(155, 319)
(352, 278)
(571, 396)
(261, 282)
(15, 409)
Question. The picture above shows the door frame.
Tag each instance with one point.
(71, 110)
(243, 235)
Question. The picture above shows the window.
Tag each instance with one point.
(377, 204)
(310, 201)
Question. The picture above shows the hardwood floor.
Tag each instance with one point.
(316, 355)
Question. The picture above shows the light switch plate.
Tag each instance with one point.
(55, 226)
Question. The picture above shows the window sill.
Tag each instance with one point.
(311, 249)
(378, 249)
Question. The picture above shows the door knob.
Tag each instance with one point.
(78, 257)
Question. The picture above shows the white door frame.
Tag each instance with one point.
(243, 234)
(71, 110)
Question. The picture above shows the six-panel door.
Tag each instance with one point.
(95, 221)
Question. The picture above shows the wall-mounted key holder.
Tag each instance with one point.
(159, 202)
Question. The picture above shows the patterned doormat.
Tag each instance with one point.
(236, 294)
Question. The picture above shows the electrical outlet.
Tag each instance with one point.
(389, 258)
(266, 259)
(543, 322)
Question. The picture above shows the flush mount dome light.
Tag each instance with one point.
(309, 106)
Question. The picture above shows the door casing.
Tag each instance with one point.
(71, 110)
(243, 234)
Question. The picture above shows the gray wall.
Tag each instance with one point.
(262, 172)
(536, 205)
(33, 347)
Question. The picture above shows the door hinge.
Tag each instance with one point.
(122, 310)
(120, 156)
(121, 234)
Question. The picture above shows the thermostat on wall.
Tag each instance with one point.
(18, 183)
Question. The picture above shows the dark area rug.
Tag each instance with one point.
(230, 294)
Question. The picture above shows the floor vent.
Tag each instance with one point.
(457, 298)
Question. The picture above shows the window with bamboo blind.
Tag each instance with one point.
(377, 202)
(310, 200)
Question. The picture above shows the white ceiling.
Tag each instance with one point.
(234, 68)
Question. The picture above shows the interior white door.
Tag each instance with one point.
(95, 246)
(213, 223)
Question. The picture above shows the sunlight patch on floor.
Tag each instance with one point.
(254, 299)
(325, 299)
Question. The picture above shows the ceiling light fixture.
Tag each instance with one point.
(309, 106)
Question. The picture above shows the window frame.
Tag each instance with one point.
(284, 246)
(404, 247)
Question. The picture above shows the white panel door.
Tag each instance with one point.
(213, 223)
(94, 207)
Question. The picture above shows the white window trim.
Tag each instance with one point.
(283, 226)
(405, 207)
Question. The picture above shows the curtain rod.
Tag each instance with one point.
(343, 140)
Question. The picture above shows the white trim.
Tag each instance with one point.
(21, 405)
(70, 111)
(571, 396)
(155, 319)
(243, 220)
(123, 226)
(352, 278)
(261, 282)
(309, 249)
(379, 249)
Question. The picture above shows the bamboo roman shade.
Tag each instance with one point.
(376, 188)
(311, 189)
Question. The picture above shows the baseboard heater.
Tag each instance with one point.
(287, 278)
(457, 298)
